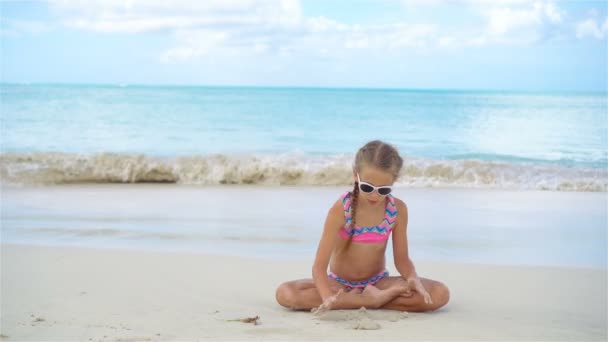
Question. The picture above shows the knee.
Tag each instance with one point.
(440, 295)
(285, 295)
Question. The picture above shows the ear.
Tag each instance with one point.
(354, 175)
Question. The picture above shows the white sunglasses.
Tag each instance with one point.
(368, 188)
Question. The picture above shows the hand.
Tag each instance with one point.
(327, 303)
(415, 284)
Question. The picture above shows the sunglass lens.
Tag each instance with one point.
(384, 191)
(366, 188)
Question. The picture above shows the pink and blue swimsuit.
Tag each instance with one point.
(375, 234)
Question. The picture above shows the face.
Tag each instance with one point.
(375, 177)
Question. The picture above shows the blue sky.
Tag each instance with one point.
(448, 44)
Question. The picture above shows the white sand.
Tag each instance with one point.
(59, 294)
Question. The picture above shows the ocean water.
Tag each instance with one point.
(58, 134)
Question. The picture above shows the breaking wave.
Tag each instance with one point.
(286, 169)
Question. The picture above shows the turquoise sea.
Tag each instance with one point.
(56, 134)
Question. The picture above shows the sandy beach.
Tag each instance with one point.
(61, 294)
(156, 262)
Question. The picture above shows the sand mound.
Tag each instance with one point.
(363, 319)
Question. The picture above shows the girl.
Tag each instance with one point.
(354, 241)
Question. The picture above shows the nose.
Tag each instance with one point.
(374, 195)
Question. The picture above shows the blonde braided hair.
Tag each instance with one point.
(378, 154)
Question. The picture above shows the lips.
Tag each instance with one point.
(372, 202)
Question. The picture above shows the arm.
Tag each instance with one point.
(333, 223)
(403, 263)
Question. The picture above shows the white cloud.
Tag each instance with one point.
(194, 44)
(250, 27)
(322, 24)
(424, 3)
(511, 22)
(18, 27)
(446, 41)
(525, 24)
(200, 27)
(496, 3)
(591, 28)
(404, 36)
(151, 15)
(470, 3)
(552, 12)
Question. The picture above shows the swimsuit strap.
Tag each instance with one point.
(347, 205)
(390, 212)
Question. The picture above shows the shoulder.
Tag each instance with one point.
(346, 196)
(346, 200)
(341, 204)
(401, 207)
(336, 216)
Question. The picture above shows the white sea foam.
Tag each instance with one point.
(285, 169)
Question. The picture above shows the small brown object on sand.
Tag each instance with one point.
(255, 320)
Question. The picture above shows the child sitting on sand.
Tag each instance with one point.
(354, 241)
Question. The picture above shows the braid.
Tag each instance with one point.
(378, 154)
(353, 207)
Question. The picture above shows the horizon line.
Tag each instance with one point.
(380, 88)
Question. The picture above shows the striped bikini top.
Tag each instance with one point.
(375, 234)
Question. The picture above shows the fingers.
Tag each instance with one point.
(320, 311)
(334, 297)
(426, 295)
(427, 298)
(326, 305)
(417, 285)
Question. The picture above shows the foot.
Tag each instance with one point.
(378, 297)
(405, 290)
